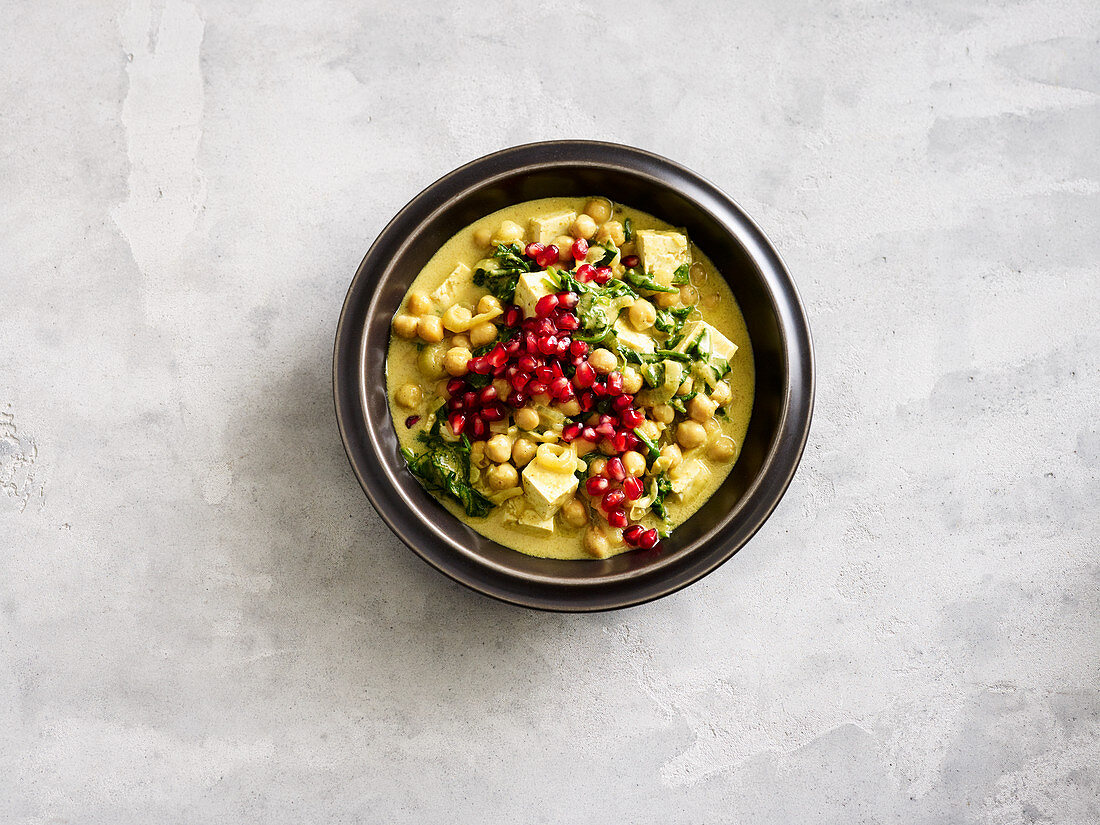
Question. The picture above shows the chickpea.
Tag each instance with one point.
(406, 325)
(408, 396)
(632, 380)
(612, 231)
(685, 388)
(456, 318)
(526, 418)
(509, 232)
(597, 466)
(598, 209)
(456, 361)
(721, 394)
(663, 413)
(614, 536)
(583, 446)
(570, 408)
(488, 303)
(634, 462)
(711, 300)
(701, 408)
(430, 361)
(483, 333)
(430, 328)
(672, 455)
(523, 451)
(564, 243)
(483, 237)
(649, 429)
(602, 361)
(722, 450)
(689, 295)
(419, 303)
(698, 274)
(665, 300)
(461, 340)
(712, 427)
(498, 448)
(642, 314)
(502, 387)
(607, 448)
(502, 476)
(574, 513)
(690, 434)
(583, 227)
(595, 543)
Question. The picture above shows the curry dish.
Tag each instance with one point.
(570, 377)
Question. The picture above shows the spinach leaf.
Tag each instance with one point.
(682, 275)
(664, 487)
(502, 280)
(608, 256)
(671, 321)
(444, 467)
(628, 230)
(643, 280)
(650, 444)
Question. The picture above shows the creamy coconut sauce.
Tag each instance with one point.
(715, 303)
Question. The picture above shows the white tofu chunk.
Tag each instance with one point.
(662, 253)
(531, 287)
(547, 490)
(536, 522)
(458, 288)
(546, 229)
(631, 338)
(720, 345)
(687, 476)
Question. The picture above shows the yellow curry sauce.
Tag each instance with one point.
(523, 464)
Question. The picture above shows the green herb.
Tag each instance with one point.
(662, 488)
(628, 230)
(609, 256)
(671, 321)
(654, 374)
(643, 280)
(677, 403)
(630, 356)
(444, 468)
(501, 281)
(596, 308)
(650, 444)
(682, 275)
(478, 381)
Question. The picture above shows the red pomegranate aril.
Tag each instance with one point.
(585, 376)
(519, 380)
(556, 370)
(585, 273)
(568, 300)
(570, 432)
(612, 499)
(618, 442)
(497, 356)
(578, 348)
(544, 374)
(513, 316)
(632, 418)
(617, 518)
(600, 390)
(548, 345)
(544, 326)
(517, 399)
(455, 403)
(630, 261)
(615, 383)
(563, 346)
(602, 276)
(499, 371)
(513, 346)
(590, 434)
(479, 365)
(597, 486)
(606, 419)
(457, 422)
(527, 363)
(587, 399)
(488, 395)
(493, 412)
(632, 441)
(633, 488)
(547, 257)
(580, 249)
(649, 539)
(478, 428)
(410, 422)
(536, 388)
(615, 469)
(633, 534)
(622, 402)
(605, 430)
(455, 385)
(469, 399)
(561, 389)
(568, 322)
(533, 250)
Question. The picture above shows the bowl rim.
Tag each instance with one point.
(762, 495)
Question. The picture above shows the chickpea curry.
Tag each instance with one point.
(571, 377)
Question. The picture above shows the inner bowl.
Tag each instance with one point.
(776, 323)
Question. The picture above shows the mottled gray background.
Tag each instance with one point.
(202, 619)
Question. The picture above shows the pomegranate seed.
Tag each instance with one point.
(618, 442)
(536, 388)
(457, 422)
(606, 419)
(455, 385)
(479, 365)
(633, 488)
(630, 261)
(632, 441)
(544, 326)
(469, 399)
(544, 374)
(615, 469)
(568, 300)
(513, 346)
(548, 256)
(519, 380)
(545, 305)
(570, 432)
(488, 395)
(531, 343)
(597, 486)
(478, 428)
(617, 518)
(455, 404)
(602, 276)
(615, 383)
(533, 250)
(580, 249)
(632, 534)
(499, 371)
(649, 539)
(606, 430)
(555, 369)
(589, 434)
(585, 273)
(561, 389)
(410, 422)
(587, 400)
(513, 316)
(548, 345)
(578, 348)
(585, 376)
(527, 363)
(632, 418)
(622, 402)
(517, 399)
(493, 412)
(497, 356)
(569, 322)
(576, 360)
(612, 499)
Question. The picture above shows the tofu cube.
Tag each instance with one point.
(631, 338)
(531, 287)
(546, 228)
(662, 253)
(547, 490)
(720, 346)
(458, 287)
(531, 519)
(687, 477)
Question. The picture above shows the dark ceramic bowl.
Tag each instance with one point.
(776, 323)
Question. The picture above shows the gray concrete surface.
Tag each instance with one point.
(201, 618)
